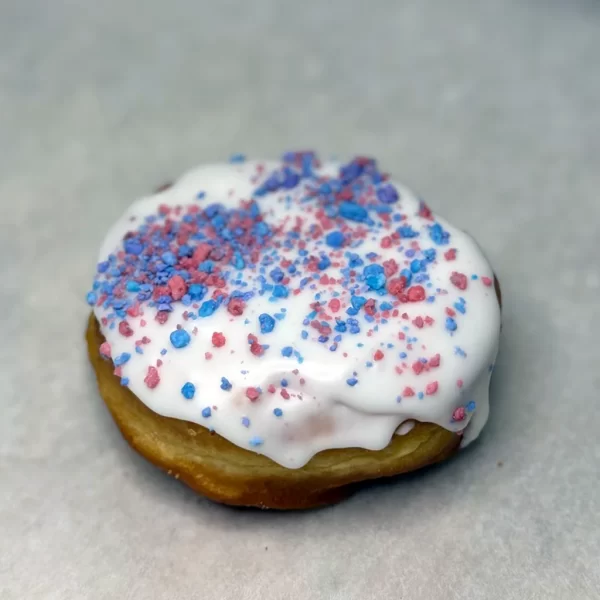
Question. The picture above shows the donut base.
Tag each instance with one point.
(228, 474)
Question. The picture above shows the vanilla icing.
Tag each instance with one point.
(314, 387)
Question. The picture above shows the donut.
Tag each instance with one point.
(276, 333)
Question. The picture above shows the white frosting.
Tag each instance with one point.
(324, 411)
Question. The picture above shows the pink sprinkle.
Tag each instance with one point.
(450, 254)
(486, 281)
(152, 378)
(177, 287)
(334, 305)
(431, 388)
(285, 394)
(459, 414)
(218, 339)
(208, 355)
(252, 393)
(434, 361)
(118, 371)
(236, 307)
(271, 389)
(162, 316)
(459, 383)
(418, 367)
(125, 329)
(416, 293)
(378, 355)
(386, 241)
(105, 349)
(159, 362)
(408, 391)
(142, 323)
(459, 280)
(418, 322)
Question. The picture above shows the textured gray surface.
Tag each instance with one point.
(490, 109)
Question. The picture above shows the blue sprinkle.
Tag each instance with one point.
(438, 235)
(245, 421)
(284, 383)
(180, 338)
(287, 351)
(335, 239)
(277, 412)
(420, 395)
(406, 231)
(374, 276)
(358, 302)
(169, 258)
(450, 324)
(124, 380)
(103, 266)
(470, 406)
(237, 158)
(386, 306)
(196, 291)
(323, 263)
(188, 390)
(415, 265)
(225, 384)
(267, 323)
(133, 246)
(277, 274)
(132, 286)
(304, 334)
(256, 441)
(121, 359)
(387, 194)
(206, 412)
(460, 307)
(91, 298)
(403, 355)
(207, 308)
(352, 381)
(280, 291)
(139, 350)
(429, 254)
(474, 277)
(353, 211)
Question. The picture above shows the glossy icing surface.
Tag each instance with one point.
(294, 306)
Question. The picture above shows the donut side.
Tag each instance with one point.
(225, 473)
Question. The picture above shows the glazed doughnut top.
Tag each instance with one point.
(296, 306)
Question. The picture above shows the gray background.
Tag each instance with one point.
(491, 109)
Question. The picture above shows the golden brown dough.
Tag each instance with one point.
(215, 467)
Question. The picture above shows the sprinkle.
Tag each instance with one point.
(431, 388)
(378, 355)
(245, 421)
(225, 384)
(266, 322)
(152, 378)
(188, 390)
(459, 414)
(277, 412)
(335, 239)
(459, 280)
(387, 194)
(252, 394)
(256, 441)
(352, 381)
(105, 350)
(180, 338)
(218, 339)
(92, 298)
(206, 412)
(486, 281)
(121, 359)
(450, 324)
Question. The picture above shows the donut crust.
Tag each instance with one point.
(226, 473)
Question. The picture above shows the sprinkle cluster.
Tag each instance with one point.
(211, 258)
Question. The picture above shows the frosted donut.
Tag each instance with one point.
(272, 332)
